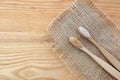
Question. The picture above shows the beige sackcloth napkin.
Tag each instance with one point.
(106, 33)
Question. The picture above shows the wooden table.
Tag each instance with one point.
(24, 54)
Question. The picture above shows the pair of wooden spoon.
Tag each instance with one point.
(116, 63)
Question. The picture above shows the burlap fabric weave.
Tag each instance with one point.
(84, 13)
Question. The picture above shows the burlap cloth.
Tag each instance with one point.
(84, 13)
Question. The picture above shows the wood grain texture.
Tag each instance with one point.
(110, 8)
(24, 54)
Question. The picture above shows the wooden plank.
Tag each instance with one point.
(24, 55)
(110, 8)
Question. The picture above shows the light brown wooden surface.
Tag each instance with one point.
(24, 55)
(110, 8)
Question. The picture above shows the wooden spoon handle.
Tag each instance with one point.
(111, 70)
(114, 61)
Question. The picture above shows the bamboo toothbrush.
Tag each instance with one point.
(111, 70)
(111, 59)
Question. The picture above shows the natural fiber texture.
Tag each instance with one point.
(84, 13)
